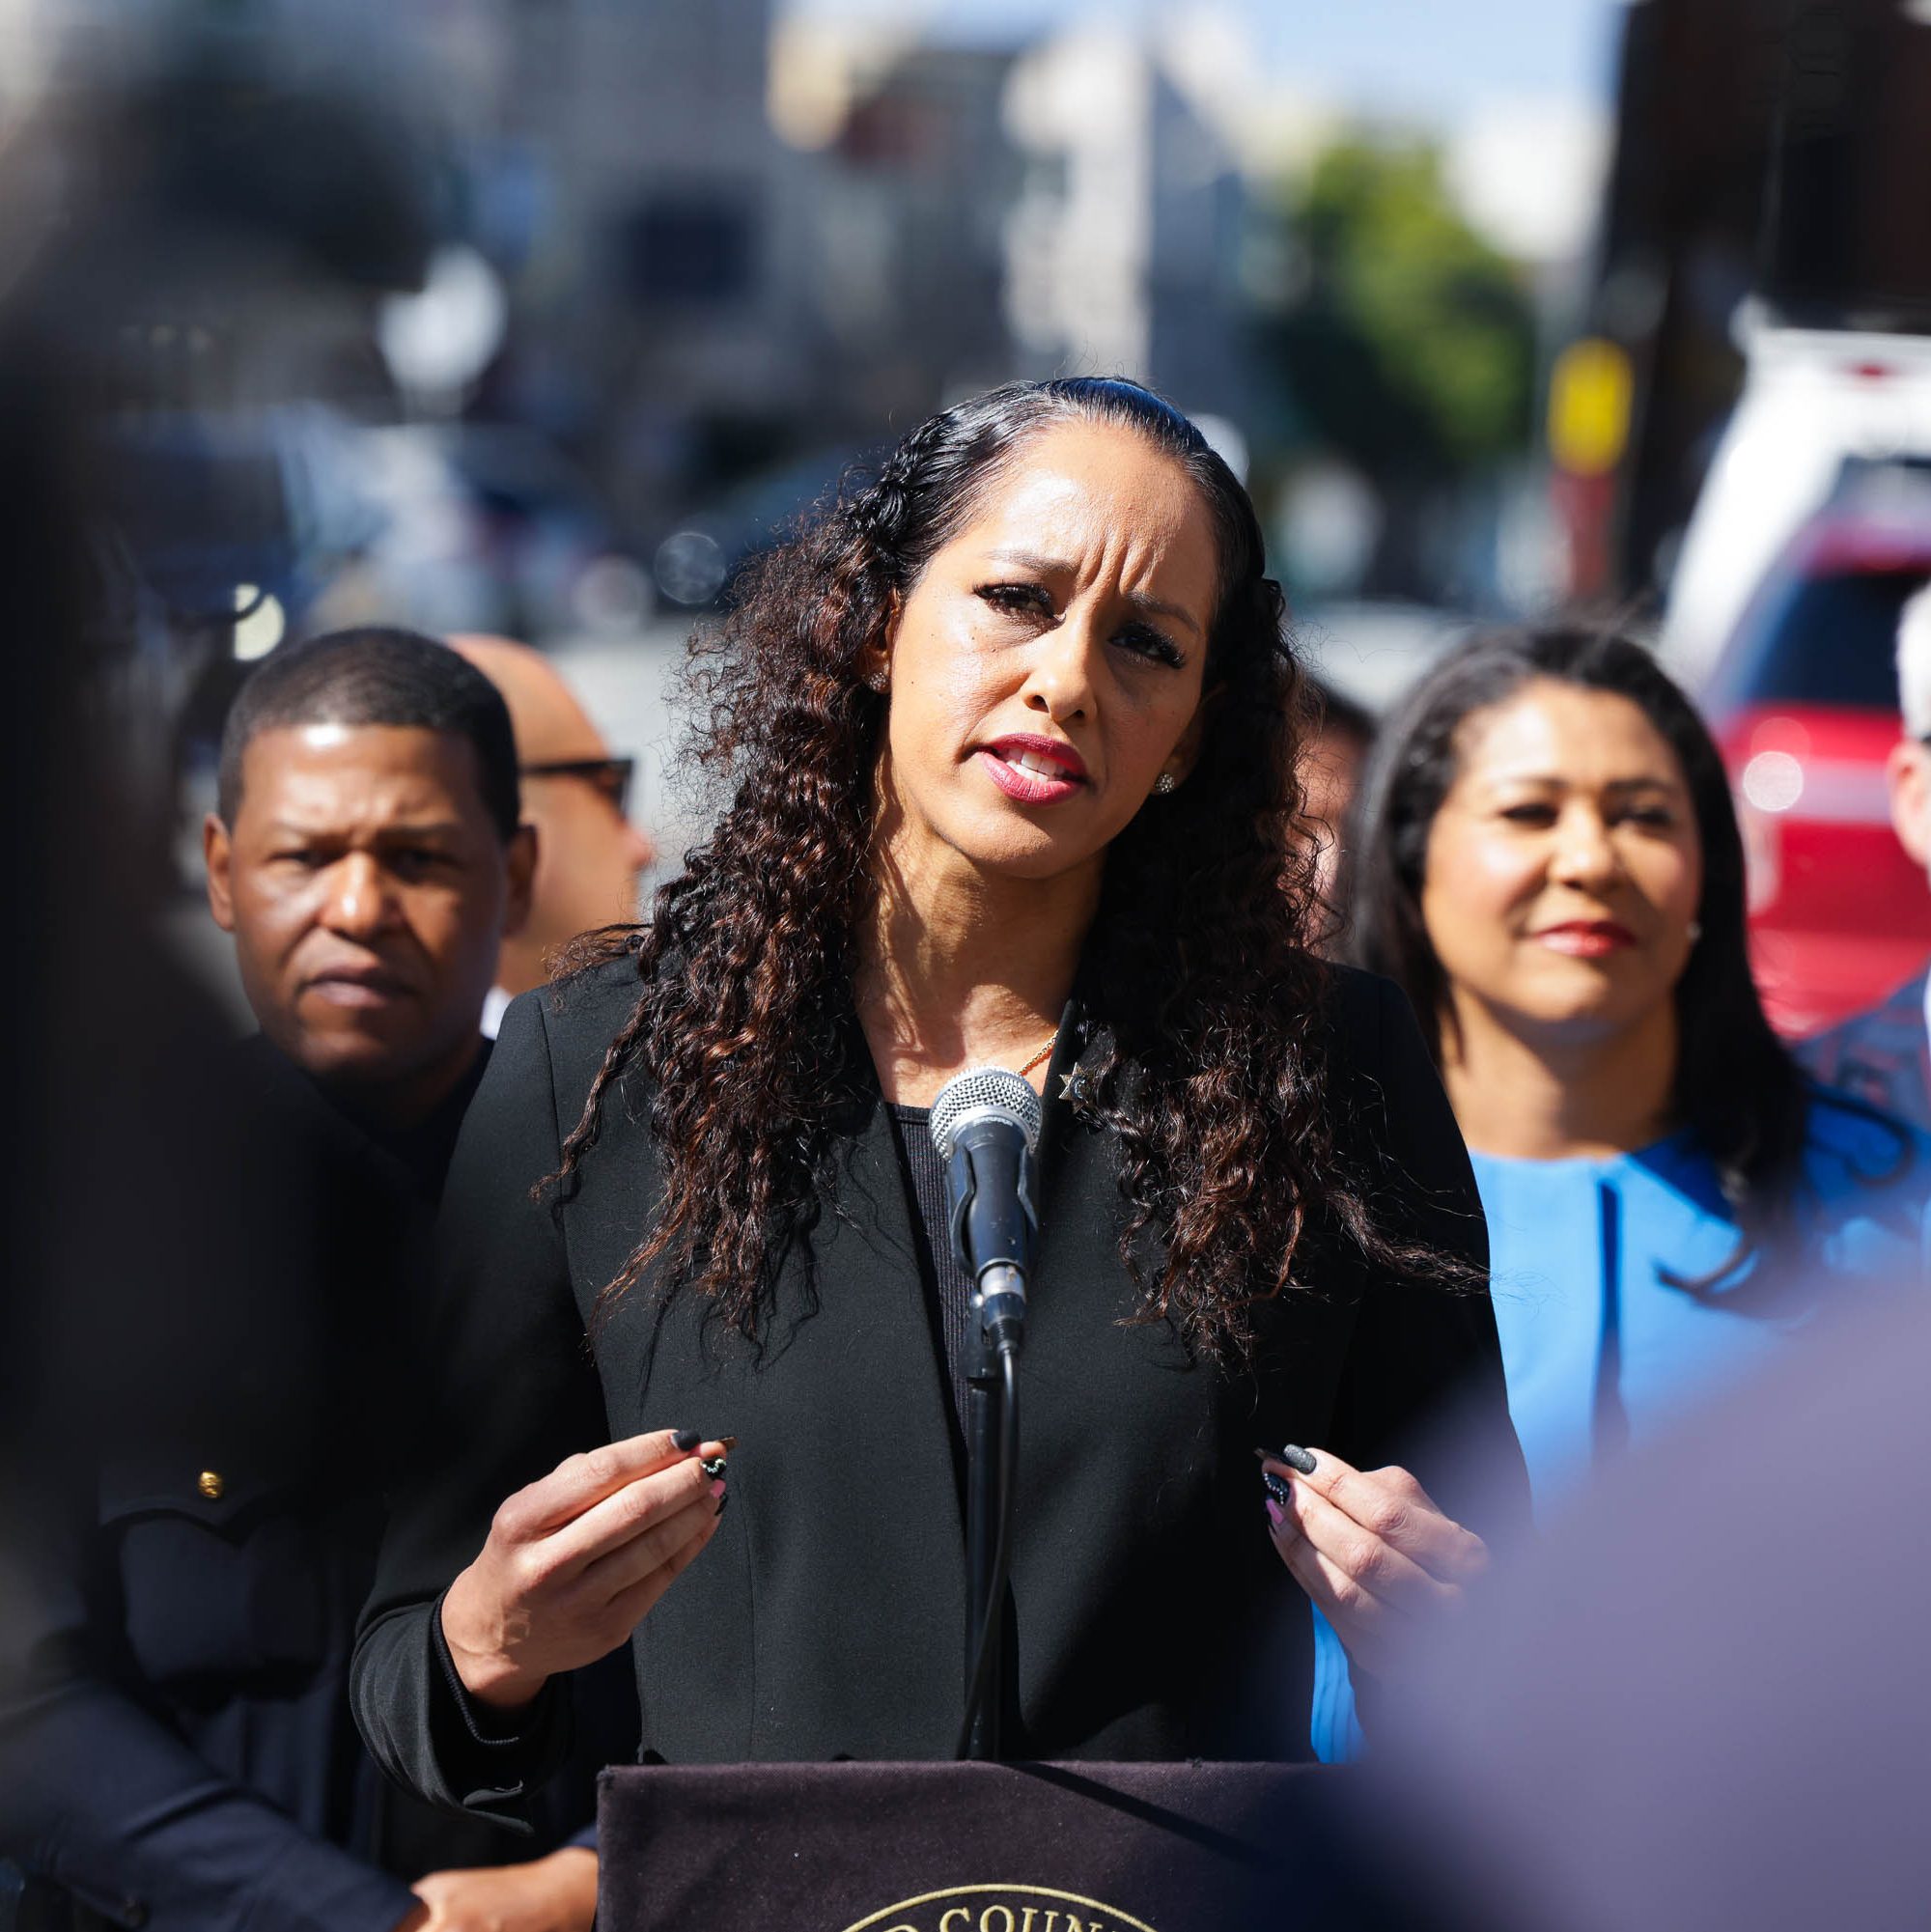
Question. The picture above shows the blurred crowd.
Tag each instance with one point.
(1663, 915)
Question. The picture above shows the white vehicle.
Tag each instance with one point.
(1811, 398)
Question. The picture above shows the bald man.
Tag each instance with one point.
(589, 855)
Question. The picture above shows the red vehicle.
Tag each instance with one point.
(1804, 703)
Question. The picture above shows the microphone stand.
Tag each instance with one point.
(990, 1193)
(985, 1480)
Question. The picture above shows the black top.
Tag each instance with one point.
(1152, 1617)
(948, 1288)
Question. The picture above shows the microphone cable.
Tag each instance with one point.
(1002, 1551)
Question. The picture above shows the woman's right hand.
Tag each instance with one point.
(576, 1561)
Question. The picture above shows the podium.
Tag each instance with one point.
(977, 1848)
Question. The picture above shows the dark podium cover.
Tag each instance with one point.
(975, 1848)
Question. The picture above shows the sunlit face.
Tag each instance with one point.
(589, 858)
(367, 890)
(1908, 776)
(1047, 667)
(1564, 869)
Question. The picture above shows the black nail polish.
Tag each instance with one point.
(1298, 1459)
(1277, 1489)
(723, 1503)
(713, 1467)
(684, 1440)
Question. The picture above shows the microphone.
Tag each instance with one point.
(985, 1124)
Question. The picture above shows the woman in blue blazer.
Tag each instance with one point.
(1550, 865)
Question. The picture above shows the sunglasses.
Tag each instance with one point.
(609, 775)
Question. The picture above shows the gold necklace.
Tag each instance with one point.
(1044, 1054)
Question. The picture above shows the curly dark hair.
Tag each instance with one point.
(1736, 1086)
(1207, 1062)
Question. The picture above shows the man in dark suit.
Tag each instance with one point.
(1884, 1055)
(175, 1747)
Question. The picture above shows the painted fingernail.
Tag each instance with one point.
(684, 1440)
(1276, 1487)
(727, 1442)
(717, 1486)
(1297, 1458)
(713, 1466)
(723, 1503)
(1275, 1514)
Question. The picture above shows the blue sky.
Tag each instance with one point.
(1435, 58)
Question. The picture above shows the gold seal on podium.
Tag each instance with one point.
(999, 1908)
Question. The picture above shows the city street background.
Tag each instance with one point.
(542, 316)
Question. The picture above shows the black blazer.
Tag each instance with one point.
(826, 1619)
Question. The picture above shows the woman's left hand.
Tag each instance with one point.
(1372, 1550)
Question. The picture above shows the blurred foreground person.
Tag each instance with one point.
(1670, 1720)
(179, 1752)
(589, 855)
(1550, 865)
(1884, 1055)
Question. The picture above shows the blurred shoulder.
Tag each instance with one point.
(1867, 1176)
(1848, 1143)
(1881, 1055)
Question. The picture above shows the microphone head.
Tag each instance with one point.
(981, 1093)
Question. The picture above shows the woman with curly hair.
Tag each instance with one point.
(1004, 739)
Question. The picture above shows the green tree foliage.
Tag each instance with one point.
(1411, 348)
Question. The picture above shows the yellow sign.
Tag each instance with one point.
(1589, 394)
(999, 1908)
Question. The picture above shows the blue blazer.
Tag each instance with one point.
(1882, 1055)
(1601, 1350)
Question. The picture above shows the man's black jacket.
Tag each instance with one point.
(174, 1745)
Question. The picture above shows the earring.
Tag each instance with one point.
(879, 681)
(1166, 785)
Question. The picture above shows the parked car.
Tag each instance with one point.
(1803, 700)
(1813, 400)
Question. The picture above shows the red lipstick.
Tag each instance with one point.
(1588, 938)
(1031, 770)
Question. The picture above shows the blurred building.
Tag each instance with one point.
(977, 214)
(620, 167)
(1123, 248)
(903, 176)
